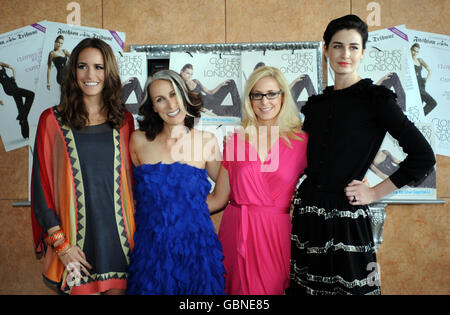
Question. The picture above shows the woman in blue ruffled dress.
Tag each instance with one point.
(176, 247)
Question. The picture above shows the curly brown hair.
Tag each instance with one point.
(72, 108)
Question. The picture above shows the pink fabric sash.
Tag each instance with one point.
(245, 210)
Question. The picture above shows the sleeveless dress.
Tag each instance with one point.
(60, 63)
(176, 247)
(388, 166)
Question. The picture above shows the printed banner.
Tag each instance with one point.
(20, 59)
(387, 161)
(387, 41)
(298, 66)
(221, 78)
(217, 77)
(133, 74)
(58, 43)
(387, 66)
(430, 54)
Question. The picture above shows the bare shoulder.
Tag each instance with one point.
(138, 144)
(138, 138)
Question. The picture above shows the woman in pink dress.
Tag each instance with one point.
(262, 163)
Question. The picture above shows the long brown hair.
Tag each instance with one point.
(71, 106)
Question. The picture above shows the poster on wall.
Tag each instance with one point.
(212, 66)
(20, 59)
(386, 41)
(430, 54)
(217, 77)
(386, 66)
(58, 43)
(387, 161)
(133, 74)
(298, 66)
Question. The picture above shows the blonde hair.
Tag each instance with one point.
(288, 119)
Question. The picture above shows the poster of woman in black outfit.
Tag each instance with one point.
(391, 80)
(419, 63)
(19, 94)
(58, 57)
(129, 86)
(212, 99)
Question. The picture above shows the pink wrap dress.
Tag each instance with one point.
(256, 226)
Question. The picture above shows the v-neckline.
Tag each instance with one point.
(268, 153)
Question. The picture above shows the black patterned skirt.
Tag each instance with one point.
(332, 247)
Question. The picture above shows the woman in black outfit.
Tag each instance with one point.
(298, 85)
(391, 80)
(129, 86)
(58, 57)
(212, 99)
(430, 102)
(10, 87)
(332, 248)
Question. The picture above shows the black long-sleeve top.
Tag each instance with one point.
(346, 128)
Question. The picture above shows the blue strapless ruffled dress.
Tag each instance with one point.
(176, 247)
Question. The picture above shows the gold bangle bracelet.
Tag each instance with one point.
(56, 236)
